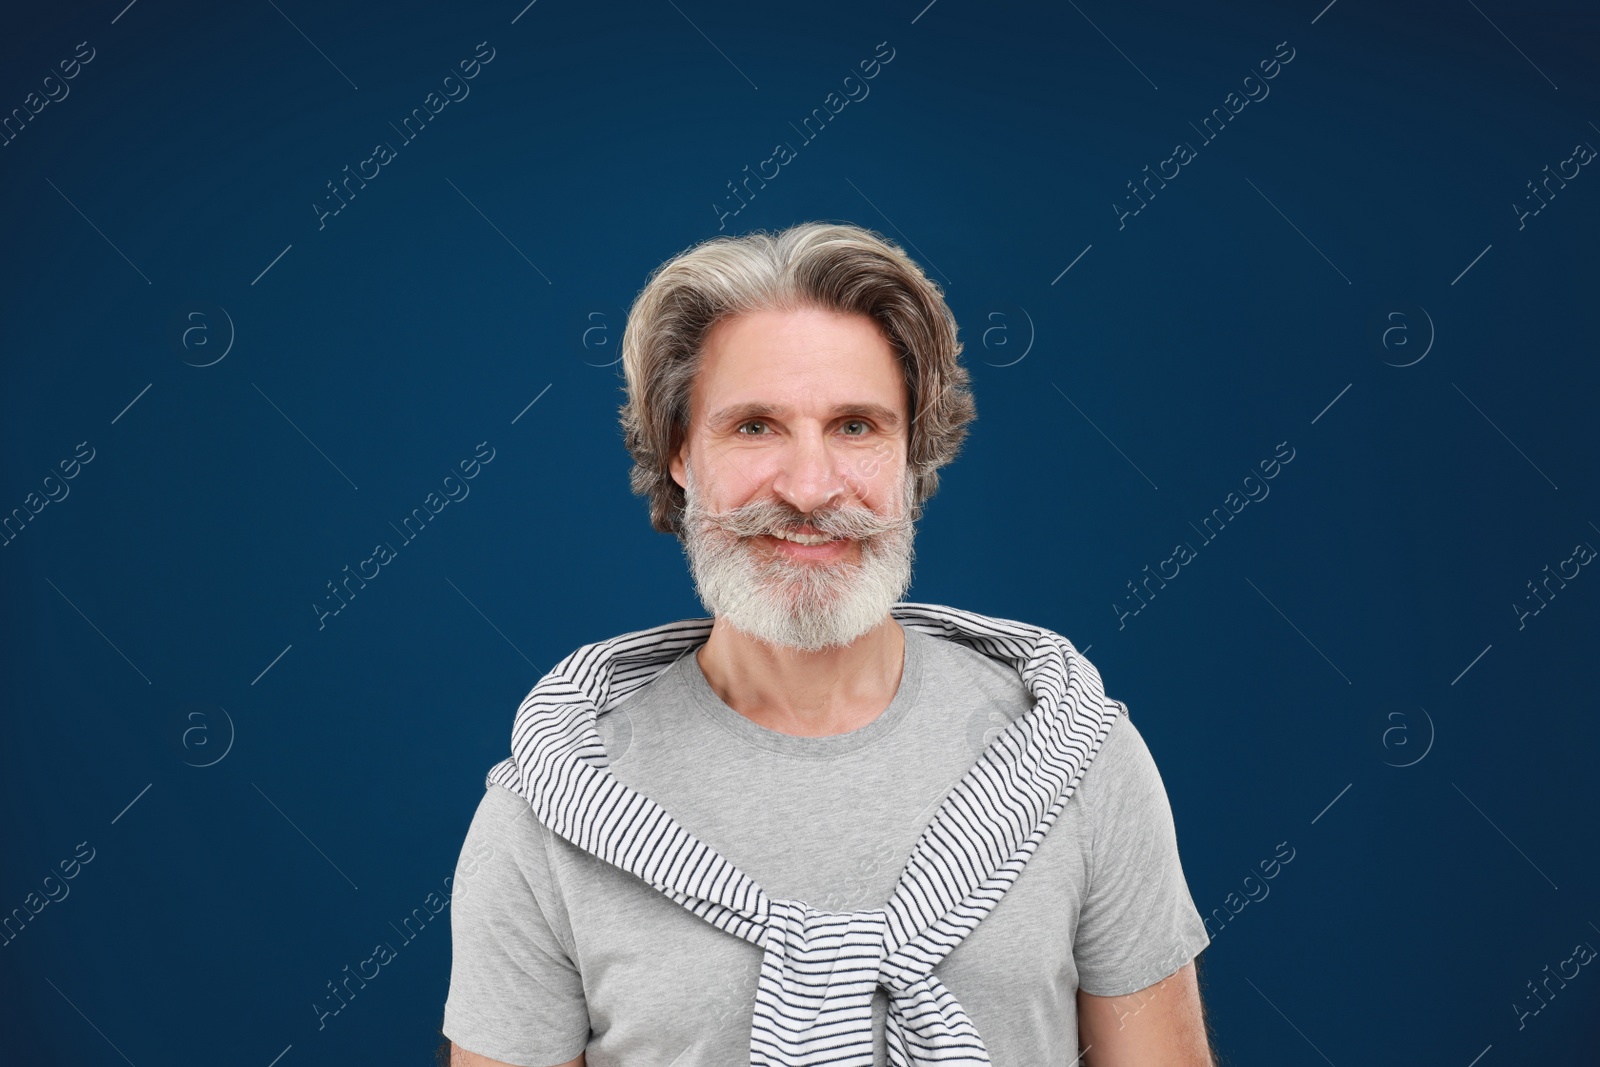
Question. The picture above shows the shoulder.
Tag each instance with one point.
(505, 837)
(1123, 771)
(500, 812)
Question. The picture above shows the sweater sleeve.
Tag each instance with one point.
(1138, 923)
(515, 992)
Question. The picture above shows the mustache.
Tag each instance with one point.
(852, 521)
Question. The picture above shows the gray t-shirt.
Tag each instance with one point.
(557, 952)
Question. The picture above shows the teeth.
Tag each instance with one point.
(806, 539)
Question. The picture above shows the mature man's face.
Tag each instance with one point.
(798, 520)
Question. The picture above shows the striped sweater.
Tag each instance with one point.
(819, 970)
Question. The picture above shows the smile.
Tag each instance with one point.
(805, 539)
(804, 546)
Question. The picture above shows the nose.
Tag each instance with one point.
(810, 475)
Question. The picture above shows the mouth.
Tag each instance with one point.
(806, 545)
(804, 537)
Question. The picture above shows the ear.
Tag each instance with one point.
(678, 467)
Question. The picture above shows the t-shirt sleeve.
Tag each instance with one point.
(515, 993)
(1138, 923)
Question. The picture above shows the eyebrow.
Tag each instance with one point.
(759, 409)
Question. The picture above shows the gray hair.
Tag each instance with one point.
(829, 266)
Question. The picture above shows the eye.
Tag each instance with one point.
(753, 422)
(857, 422)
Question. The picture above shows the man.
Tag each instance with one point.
(825, 826)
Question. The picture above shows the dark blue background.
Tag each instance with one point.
(1358, 618)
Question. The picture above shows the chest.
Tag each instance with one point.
(661, 983)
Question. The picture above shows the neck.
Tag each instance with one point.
(805, 694)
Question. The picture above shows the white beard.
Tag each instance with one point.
(798, 604)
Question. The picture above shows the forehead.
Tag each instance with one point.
(809, 360)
